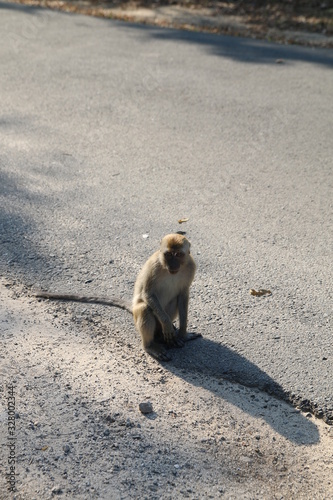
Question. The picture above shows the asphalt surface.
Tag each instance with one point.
(110, 131)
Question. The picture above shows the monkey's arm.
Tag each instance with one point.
(182, 303)
(167, 326)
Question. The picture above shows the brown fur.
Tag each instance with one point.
(161, 297)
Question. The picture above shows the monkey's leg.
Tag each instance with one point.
(146, 325)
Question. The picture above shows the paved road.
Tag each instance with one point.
(112, 131)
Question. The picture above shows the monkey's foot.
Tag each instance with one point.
(191, 336)
(180, 340)
(158, 352)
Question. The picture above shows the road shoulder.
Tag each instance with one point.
(79, 430)
(203, 19)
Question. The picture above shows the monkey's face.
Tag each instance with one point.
(174, 251)
(173, 260)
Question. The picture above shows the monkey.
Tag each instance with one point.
(161, 295)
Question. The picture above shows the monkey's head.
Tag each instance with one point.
(174, 251)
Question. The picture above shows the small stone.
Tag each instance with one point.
(66, 448)
(56, 490)
(106, 432)
(146, 407)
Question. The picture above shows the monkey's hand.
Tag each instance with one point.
(169, 334)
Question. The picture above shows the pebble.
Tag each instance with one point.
(56, 490)
(66, 448)
(146, 407)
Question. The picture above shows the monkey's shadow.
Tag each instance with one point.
(202, 362)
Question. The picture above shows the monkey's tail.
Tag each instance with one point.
(115, 302)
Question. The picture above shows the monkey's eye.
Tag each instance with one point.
(168, 255)
(179, 255)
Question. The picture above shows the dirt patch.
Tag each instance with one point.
(304, 22)
(78, 381)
